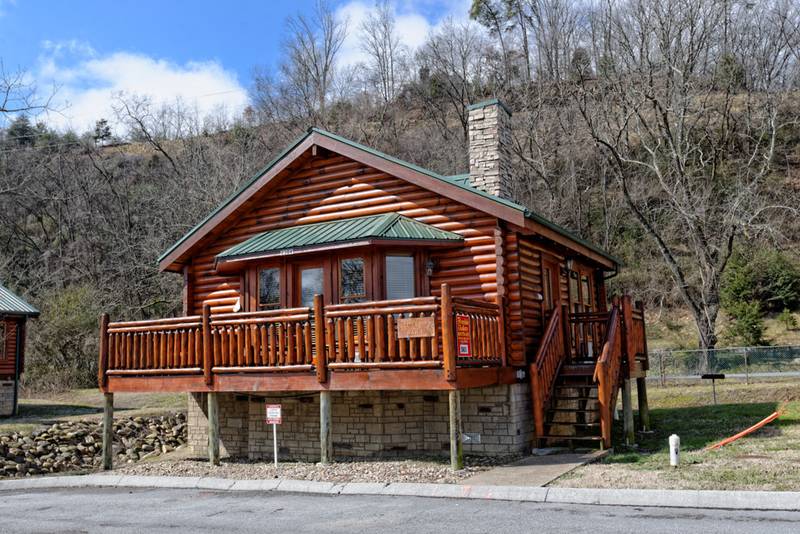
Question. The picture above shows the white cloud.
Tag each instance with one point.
(411, 22)
(88, 82)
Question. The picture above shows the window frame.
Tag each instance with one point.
(365, 261)
(258, 271)
(415, 262)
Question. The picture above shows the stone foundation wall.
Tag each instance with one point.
(6, 398)
(368, 423)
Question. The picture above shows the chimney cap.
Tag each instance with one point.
(490, 102)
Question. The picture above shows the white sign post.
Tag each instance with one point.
(274, 419)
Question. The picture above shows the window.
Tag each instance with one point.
(310, 285)
(269, 289)
(400, 277)
(351, 280)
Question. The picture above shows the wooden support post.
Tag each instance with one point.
(102, 365)
(627, 410)
(108, 431)
(448, 335)
(321, 360)
(213, 428)
(325, 439)
(456, 444)
(644, 409)
(628, 345)
(207, 349)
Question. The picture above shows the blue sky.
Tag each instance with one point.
(201, 51)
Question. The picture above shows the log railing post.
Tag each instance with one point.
(566, 326)
(102, 365)
(448, 335)
(207, 349)
(629, 350)
(319, 336)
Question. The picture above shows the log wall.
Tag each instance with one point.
(8, 356)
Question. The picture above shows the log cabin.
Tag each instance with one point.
(389, 309)
(14, 313)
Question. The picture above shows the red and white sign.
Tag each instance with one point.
(273, 414)
(463, 337)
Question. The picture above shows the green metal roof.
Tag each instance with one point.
(461, 181)
(11, 304)
(390, 226)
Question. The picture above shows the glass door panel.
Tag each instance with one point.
(311, 283)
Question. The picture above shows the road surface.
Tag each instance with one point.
(172, 510)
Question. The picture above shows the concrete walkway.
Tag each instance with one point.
(534, 470)
(726, 500)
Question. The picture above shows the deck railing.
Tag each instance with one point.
(587, 334)
(418, 333)
(545, 367)
(607, 373)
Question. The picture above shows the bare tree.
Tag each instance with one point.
(310, 66)
(387, 66)
(689, 136)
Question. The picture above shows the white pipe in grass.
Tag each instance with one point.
(674, 450)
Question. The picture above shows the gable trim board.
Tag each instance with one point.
(453, 188)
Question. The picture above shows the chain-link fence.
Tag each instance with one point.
(746, 363)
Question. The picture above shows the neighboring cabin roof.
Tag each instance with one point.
(11, 304)
(386, 227)
(459, 184)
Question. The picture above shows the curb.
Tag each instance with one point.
(724, 500)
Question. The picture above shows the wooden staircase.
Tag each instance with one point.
(573, 416)
(578, 370)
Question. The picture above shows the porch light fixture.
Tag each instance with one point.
(570, 263)
(430, 265)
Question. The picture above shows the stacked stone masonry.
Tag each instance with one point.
(6, 398)
(490, 149)
(368, 424)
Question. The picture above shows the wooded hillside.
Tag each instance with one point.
(665, 131)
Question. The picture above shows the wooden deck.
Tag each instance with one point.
(381, 345)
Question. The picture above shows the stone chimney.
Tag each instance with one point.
(489, 125)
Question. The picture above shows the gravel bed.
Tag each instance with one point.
(412, 470)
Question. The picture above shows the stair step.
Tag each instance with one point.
(574, 398)
(575, 425)
(575, 410)
(576, 438)
(576, 370)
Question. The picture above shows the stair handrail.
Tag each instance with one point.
(607, 372)
(545, 366)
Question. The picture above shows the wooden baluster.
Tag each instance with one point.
(184, 348)
(308, 344)
(289, 357)
(371, 338)
(273, 358)
(129, 364)
(247, 358)
(413, 346)
(240, 355)
(254, 344)
(299, 344)
(112, 348)
(351, 343)
(225, 346)
(341, 356)
(281, 345)
(362, 345)
(392, 338)
(380, 338)
(264, 354)
(402, 345)
(331, 335)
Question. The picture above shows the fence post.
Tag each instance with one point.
(319, 335)
(746, 367)
(448, 336)
(102, 378)
(207, 352)
(662, 369)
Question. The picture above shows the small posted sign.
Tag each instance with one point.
(273, 414)
(463, 336)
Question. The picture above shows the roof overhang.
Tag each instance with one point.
(238, 263)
